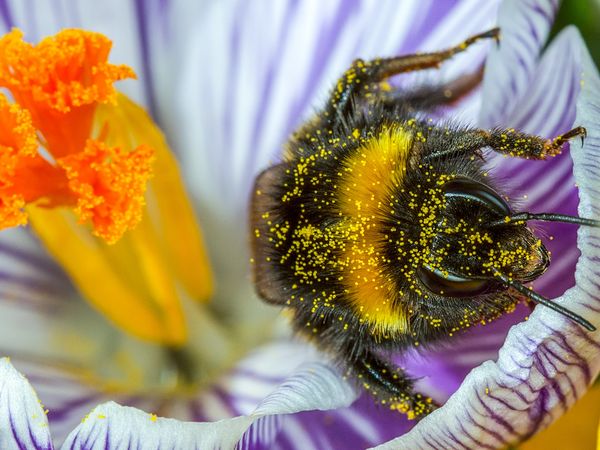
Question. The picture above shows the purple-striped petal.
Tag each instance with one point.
(525, 25)
(548, 110)
(110, 425)
(66, 397)
(23, 422)
(44, 322)
(548, 362)
(70, 392)
(29, 278)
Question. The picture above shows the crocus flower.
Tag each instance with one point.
(227, 82)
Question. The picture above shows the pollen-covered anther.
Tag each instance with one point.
(11, 211)
(63, 71)
(109, 184)
(18, 147)
(17, 135)
(60, 81)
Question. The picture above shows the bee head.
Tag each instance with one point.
(469, 242)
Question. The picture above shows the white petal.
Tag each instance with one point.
(259, 373)
(525, 25)
(66, 397)
(34, 291)
(110, 425)
(23, 422)
(548, 362)
(547, 110)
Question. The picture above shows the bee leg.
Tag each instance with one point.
(364, 79)
(506, 141)
(431, 97)
(391, 387)
(410, 63)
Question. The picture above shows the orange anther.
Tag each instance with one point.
(60, 80)
(109, 185)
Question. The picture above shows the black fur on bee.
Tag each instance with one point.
(381, 230)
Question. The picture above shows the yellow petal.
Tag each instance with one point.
(167, 199)
(576, 430)
(137, 282)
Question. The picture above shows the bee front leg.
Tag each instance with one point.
(391, 387)
(366, 79)
(506, 141)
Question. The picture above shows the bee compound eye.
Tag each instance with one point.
(451, 285)
(477, 192)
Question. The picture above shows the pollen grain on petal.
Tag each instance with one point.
(109, 184)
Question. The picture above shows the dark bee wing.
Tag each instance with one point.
(265, 203)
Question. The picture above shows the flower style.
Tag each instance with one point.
(227, 85)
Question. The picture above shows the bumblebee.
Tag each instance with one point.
(381, 230)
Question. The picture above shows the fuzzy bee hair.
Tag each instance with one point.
(381, 230)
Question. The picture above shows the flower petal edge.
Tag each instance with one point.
(23, 422)
(315, 386)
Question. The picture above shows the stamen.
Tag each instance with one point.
(57, 85)
(18, 145)
(17, 134)
(11, 211)
(109, 184)
(146, 274)
(60, 80)
(99, 149)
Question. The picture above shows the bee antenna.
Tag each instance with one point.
(546, 217)
(537, 298)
